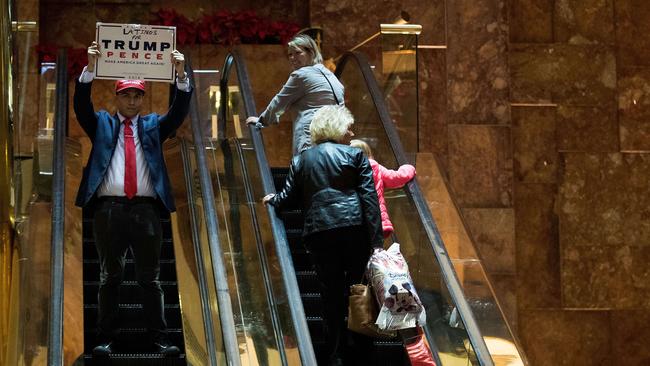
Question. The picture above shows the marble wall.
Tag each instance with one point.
(538, 110)
(581, 178)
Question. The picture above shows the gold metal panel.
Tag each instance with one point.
(31, 288)
(400, 28)
(10, 355)
(24, 26)
(5, 120)
(398, 61)
(194, 331)
(6, 203)
(6, 259)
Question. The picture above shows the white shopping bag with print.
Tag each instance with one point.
(401, 307)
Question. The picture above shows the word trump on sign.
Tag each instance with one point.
(134, 51)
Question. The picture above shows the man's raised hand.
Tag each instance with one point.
(93, 54)
(179, 63)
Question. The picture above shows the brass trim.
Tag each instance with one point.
(24, 26)
(6, 102)
(432, 46)
(533, 104)
(6, 156)
(6, 265)
(400, 28)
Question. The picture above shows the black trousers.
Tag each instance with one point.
(120, 224)
(340, 256)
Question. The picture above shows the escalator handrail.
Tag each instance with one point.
(415, 193)
(298, 316)
(55, 325)
(250, 199)
(218, 264)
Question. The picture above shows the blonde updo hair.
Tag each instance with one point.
(363, 146)
(303, 42)
(330, 123)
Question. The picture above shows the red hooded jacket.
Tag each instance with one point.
(388, 178)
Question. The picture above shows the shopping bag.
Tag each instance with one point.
(389, 276)
(362, 312)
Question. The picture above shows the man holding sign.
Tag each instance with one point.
(126, 182)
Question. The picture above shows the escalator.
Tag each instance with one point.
(286, 256)
(55, 298)
(464, 321)
(226, 300)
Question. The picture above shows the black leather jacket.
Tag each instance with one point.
(333, 183)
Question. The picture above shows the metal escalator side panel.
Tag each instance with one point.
(73, 323)
(58, 266)
(203, 341)
(253, 299)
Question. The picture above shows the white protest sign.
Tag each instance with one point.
(135, 51)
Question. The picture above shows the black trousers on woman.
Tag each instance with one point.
(340, 256)
(120, 223)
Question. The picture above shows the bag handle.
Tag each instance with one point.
(328, 81)
(365, 276)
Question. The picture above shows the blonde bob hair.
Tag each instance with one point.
(330, 123)
(360, 144)
(303, 42)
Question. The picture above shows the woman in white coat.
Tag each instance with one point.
(310, 86)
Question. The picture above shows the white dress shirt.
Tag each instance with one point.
(113, 183)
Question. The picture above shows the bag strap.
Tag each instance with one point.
(328, 81)
(365, 276)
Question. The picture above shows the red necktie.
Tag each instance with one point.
(130, 175)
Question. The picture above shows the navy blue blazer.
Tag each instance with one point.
(103, 130)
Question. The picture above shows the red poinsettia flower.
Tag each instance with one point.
(226, 27)
(77, 59)
(186, 31)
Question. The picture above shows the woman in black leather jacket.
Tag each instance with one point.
(342, 223)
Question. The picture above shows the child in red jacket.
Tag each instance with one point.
(385, 178)
(416, 345)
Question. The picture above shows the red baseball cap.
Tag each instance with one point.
(129, 84)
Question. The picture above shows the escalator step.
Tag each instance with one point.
(301, 261)
(128, 359)
(312, 303)
(308, 281)
(134, 340)
(316, 328)
(167, 269)
(389, 353)
(132, 314)
(87, 229)
(130, 292)
(294, 232)
(292, 219)
(89, 241)
(90, 251)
